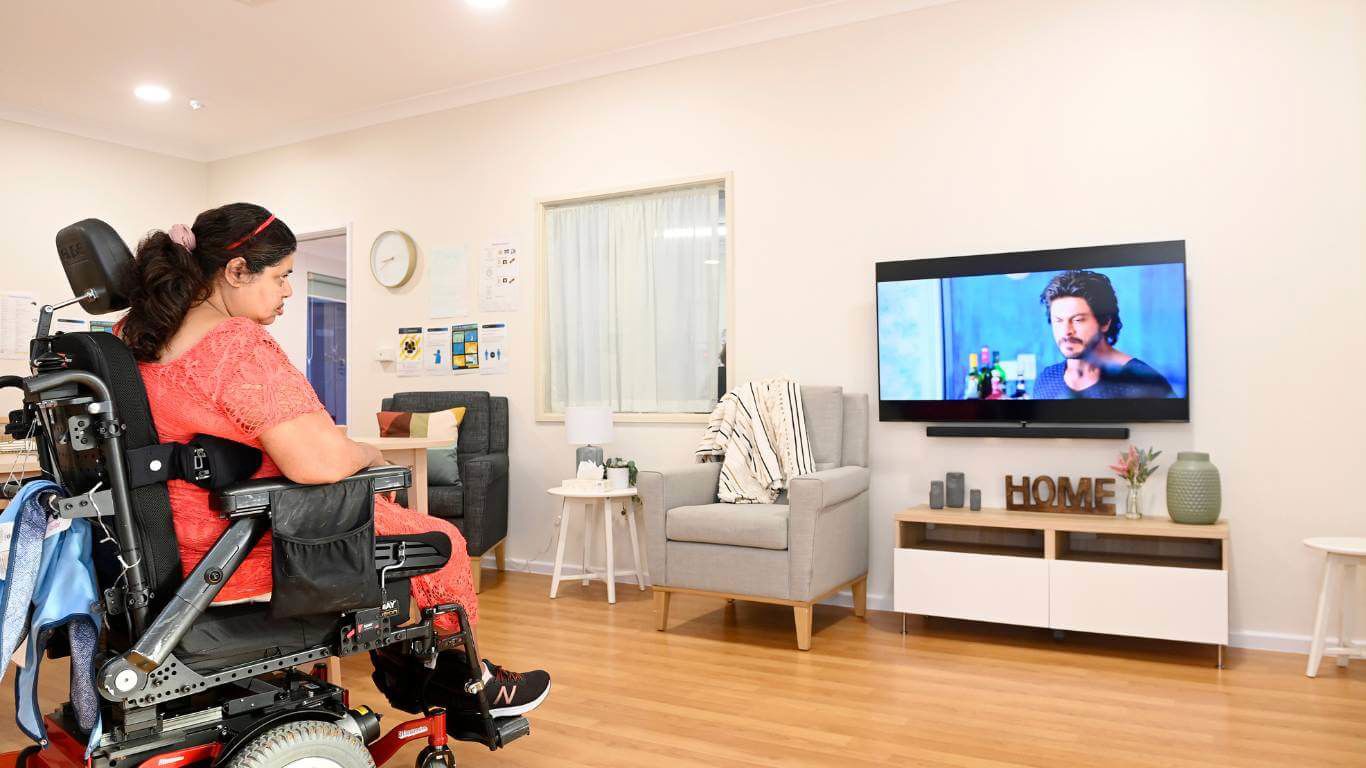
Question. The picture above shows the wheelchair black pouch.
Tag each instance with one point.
(323, 549)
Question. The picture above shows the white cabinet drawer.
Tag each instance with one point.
(1168, 603)
(960, 585)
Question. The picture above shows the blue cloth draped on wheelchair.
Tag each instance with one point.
(49, 585)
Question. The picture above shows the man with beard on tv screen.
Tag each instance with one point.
(1083, 311)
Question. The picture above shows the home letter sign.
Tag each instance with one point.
(1087, 496)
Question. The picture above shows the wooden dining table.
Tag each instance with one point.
(410, 452)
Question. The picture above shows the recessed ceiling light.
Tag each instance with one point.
(155, 94)
(486, 5)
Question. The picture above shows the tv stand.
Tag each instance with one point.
(1025, 429)
(1141, 578)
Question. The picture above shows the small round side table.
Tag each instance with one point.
(589, 502)
(1344, 554)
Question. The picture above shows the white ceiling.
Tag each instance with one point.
(271, 72)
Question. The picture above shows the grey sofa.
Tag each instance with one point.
(810, 545)
(478, 503)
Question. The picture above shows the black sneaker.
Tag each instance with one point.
(510, 694)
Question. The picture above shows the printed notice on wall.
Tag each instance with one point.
(493, 348)
(465, 348)
(436, 349)
(448, 276)
(410, 351)
(18, 323)
(499, 286)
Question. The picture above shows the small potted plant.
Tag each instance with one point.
(621, 473)
(1135, 467)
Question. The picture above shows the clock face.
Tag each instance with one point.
(392, 258)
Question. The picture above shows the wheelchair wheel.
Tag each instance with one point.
(305, 744)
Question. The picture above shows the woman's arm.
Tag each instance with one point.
(310, 449)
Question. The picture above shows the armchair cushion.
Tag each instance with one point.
(443, 468)
(738, 525)
(824, 409)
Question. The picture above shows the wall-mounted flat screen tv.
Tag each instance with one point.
(1094, 334)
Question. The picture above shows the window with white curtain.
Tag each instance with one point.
(634, 292)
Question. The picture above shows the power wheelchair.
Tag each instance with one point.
(183, 683)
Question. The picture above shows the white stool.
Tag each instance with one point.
(1339, 581)
(588, 501)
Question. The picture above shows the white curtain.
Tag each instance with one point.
(636, 301)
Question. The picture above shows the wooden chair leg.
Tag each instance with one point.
(500, 555)
(475, 572)
(662, 609)
(802, 614)
(334, 670)
(861, 597)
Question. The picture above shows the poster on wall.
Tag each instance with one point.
(18, 323)
(448, 278)
(493, 348)
(499, 270)
(410, 351)
(436, 348)
(465, 348)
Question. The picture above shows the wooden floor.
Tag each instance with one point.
(725, 687)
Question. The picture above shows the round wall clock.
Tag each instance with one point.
(393, 257)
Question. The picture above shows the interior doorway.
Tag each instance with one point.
(313, 328)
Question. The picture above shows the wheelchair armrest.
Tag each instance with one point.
(253, 496)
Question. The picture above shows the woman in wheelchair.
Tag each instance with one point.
(200, 298)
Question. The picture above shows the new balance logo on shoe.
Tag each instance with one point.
(505, 695)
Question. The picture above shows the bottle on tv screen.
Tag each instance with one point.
(1095, 334)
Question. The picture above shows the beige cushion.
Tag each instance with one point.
(737, 525)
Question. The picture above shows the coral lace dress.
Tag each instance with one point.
(236, 383)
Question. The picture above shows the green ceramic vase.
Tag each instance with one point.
(1193, 494)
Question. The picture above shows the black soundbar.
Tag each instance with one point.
(1027, 430)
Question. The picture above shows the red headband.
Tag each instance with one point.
(254, 232)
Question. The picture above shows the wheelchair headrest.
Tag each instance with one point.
(95, 258)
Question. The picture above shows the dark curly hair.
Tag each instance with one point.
(1095, 288)
(165, 280)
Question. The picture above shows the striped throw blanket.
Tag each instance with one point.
(758, 430)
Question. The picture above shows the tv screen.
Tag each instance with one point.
(1093, 334)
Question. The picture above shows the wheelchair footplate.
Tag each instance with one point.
(420, 679)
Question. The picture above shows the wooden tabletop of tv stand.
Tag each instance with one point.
(1058, 521)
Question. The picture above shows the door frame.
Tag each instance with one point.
(345, 232)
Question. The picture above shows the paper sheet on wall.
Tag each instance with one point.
(493, 348)
(465, 348)
(448, 277)
(18, 323)
(499, 270)
(409, 351)
(436, 348)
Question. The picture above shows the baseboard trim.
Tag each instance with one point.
(1241, 638)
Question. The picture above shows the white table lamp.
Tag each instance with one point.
(588, 427)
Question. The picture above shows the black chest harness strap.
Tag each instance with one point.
(207, 461)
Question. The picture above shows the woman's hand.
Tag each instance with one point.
(373, 455)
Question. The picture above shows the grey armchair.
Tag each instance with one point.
(477, 503)
(797, 552)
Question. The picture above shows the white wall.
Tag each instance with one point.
(49, 180)
(967, 128)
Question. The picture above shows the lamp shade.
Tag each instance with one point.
(585, 425)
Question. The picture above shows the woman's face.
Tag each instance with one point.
(259, 296)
